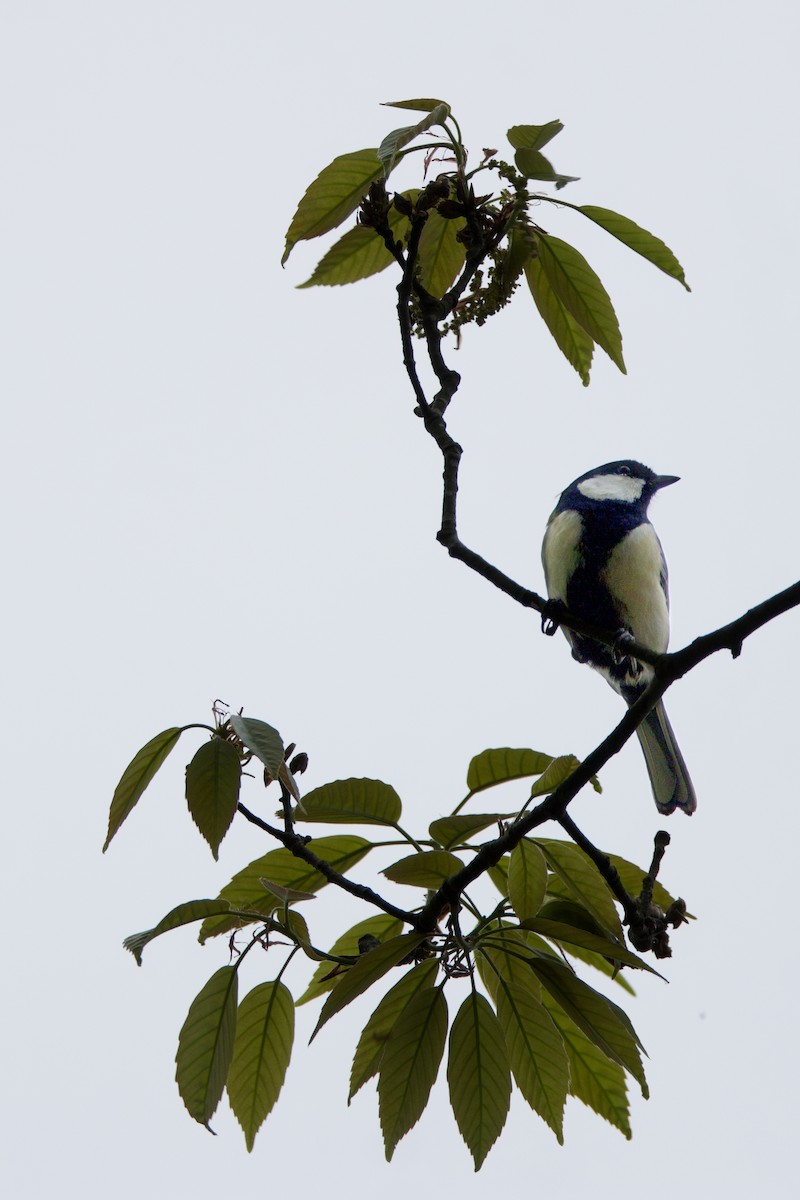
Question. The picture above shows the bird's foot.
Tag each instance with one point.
(552, 612)
(619, 652)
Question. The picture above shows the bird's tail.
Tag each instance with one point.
(672, 787)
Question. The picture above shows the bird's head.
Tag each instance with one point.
(624, 481)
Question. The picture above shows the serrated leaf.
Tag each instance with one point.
(417, 105)
(333, 196)
(410, 1064)
(478, 1075)
(593, 1078)
(603, 1022)
(533, 137)
(394, 142)
(245, 890)
(581, 292)
(136, 776)
(533, 165)
(369, 1051)
(527, 879)
(427, 869)
(441, 255)
(449, 831)
(183, 914)
(505, 955)
(360, 253)
(363, 974)
(559, 931)
(382, 926)
(491, 767)
(352, 801)
(260, 739)
(638, 239)
(261, 1054)
(536, 1053)
(212, 789)
(205, 1045)
(584, 883)
(572, 340)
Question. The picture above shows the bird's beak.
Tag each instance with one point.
(662, 481)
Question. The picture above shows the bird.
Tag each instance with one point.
(603, 560)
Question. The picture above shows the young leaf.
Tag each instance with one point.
(500, 766)
(205, 1045)
(527, 879)
(533, 137)
(644, 243)
(352, 801)
(593, 1078)
(136, 776)
(536, 1053)
(382, 926)
(410, 1064)
(441, 255)
(246, 891)
(284, 894)
(261, 1053)
(584, 883)
(478, 1075)
(580, 291)
(428, 869)
(212, 789)
(333, 196)
(598, 1017)
(368, 970)
(534, 165)
(450, 831)
(369, 1051)
(261, 739)
(572, 340)
(360, 253)
(394, 142)
(417, 105)
(512, 262)
(192, 910)
(559, 769)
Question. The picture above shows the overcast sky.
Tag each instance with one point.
(214, 486)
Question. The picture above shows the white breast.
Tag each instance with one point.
(633, 576)
(561, 552)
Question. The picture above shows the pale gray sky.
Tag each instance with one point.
(215, 487)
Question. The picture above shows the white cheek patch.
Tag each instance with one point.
(633, 576)
(612, 487)
(561, 552)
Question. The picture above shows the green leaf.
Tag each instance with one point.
(410, 1064)
(205, 1045)
(212, 789)
(584, 883)
(491, 767)
(536, 1053)
(382, 926)
(558, 931)
(369, 1051)
(603, 1022)
(417, 105)
(505, 954)
(360, 253)
(478, 1075)
(644, 243)
(559, 769)
(333, 196)
(534, 165)
(499, 874)
(527, 879)
(184, 914)
(579, 289)
(427, 869)
(450, 831)
(513, 260)
(352, 801)
(246, 891)
(593, 1078)
(261, 1053)
(368, 970)
(136, 776)
(570, 913)
(533, 137)
(260, 739)
(441, 255)
(572, 340)
(394, 142)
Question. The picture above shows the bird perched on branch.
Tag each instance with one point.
(603, 560)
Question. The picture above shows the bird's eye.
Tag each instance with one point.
(624, 470)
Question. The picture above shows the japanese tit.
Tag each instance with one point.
(603, 560)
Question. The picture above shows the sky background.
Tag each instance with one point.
(214, 486)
